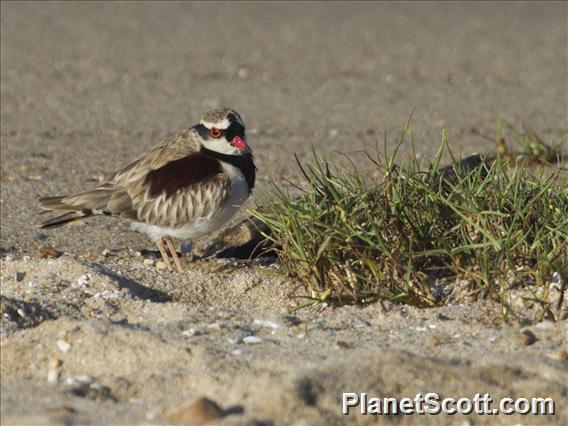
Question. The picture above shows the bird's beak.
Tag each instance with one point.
(239, 143)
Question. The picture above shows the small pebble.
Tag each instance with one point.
(83, 379)
(19, 276)
(269, 324)
(61, 409)
(9, 257)
(252, 340)
(149, 262)
(105, 253)
(21, 312)
(518, 337)
(83, 280)
(340, 344)
(199, 412)
(161, 265)
(47, 252)
(53, 375)
(54, 362)
(243, 73)
(189, 333)
(556, 281)
(333, 133)
(560, 356)
(432, 340)
(358, 323)
(63, 346)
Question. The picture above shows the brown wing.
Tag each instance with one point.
(180, 192)
(178, 146)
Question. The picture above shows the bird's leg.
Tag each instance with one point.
(174, 254)
(164, 253)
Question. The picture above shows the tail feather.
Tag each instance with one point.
(64, 219)
(76, 206)
(54, 203)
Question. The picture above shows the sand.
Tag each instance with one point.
(100, 335)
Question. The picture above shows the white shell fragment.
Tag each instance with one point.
(63, 346)
(269, 324)
(252, 340)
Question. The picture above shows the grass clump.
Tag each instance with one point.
(493, 223)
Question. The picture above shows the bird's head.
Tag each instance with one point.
(223, 130)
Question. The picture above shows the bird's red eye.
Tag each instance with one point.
(216, 133)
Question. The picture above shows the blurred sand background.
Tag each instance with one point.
(87, 86)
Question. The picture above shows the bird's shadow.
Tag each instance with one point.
(139, 291)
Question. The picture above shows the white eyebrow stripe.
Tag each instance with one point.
(225, 123)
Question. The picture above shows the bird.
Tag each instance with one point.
(185, 187)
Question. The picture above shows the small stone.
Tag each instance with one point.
(62, 409)
(520, 338)
(560, 356)
(53, 375)
(269, 324)
(149, 262)
(358, 323)
(190, 332)
(161, 265)
(19, 276)
(105, 253)
(54, 362)
(340, 344)
(252, 340)
(200, 412)
(9, 257)
(83, 280)
(556, 281)
(433, 340)
(63, 346)
(47, 252)
(243, 73)
(333, 133)
(21, 312)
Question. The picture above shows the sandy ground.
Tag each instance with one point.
(101, 336)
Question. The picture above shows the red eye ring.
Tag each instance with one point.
(216, 133)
